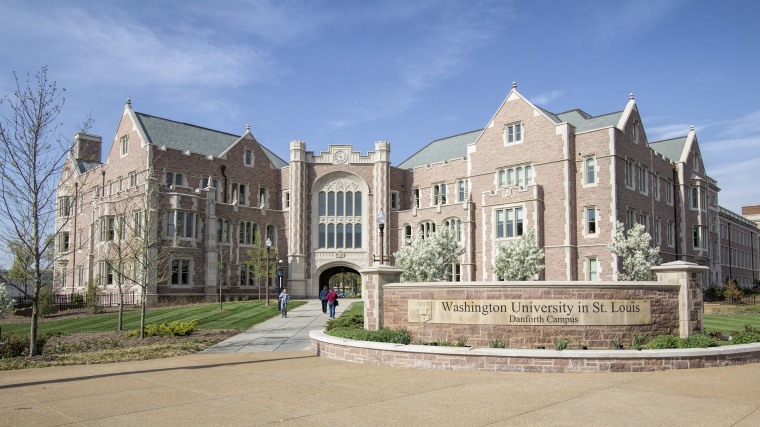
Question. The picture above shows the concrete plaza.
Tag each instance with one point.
(234, 384)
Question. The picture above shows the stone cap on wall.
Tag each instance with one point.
(679, 266)
(534, 284)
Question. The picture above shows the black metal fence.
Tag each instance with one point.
(74, 301)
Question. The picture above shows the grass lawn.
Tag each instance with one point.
(730, 322)
(235, 315)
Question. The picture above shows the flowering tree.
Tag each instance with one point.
(5, 302)
(428, 259)
(635, 251)
(519, 259)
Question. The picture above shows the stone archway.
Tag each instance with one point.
(350, 281)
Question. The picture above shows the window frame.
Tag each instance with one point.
(124, 146)
(184, 266)
(514, 133)
(590, 174)
(517, 222)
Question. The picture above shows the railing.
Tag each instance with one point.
(74, 301)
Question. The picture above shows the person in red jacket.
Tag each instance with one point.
(332, 301)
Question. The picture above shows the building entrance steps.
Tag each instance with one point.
(281, 334)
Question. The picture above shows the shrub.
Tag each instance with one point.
(561, 344)
(462, 341)
(46, 304)
(698, 341)
(497, 344)
(396, 336)
(93, 297)
(745, 337)
(15, 345)
(639, 341)
(347, 320)
(443, 343)
(664, 341)
(174, 329)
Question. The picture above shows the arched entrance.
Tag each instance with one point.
(346, 279)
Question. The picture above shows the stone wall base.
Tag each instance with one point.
(528, 360)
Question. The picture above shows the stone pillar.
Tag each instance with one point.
(298, 225)
(380, 191)
(212, 248)
(688, 276)
(373, 280)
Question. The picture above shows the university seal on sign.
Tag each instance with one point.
(423, 310)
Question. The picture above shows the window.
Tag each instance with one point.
(407, 234)
(513, 133)
(175, 179)
(105, 272)
(120, 181)
(180, 224)
(455, 225)
(272, 234)
(124, 145)
(132, 179)
(461, 191)
(630, 218)
(416, 198)
(694, 197)
(248, 157)
(137, 223)
(180, 272)
(212, 183)
(64, 246)
(669, 192)
(509, 222)
(699, 237)
(394, 199)
(426, 229)
(80, 276)
(263, 197)
(107, 228)
(636, 131)
(286, 199)
(657, 232)
(644, 220)
(247, 276)
(222, 230)
(643, 180)
(590, 220)
(520, 176)
(696, 161)
(454, 273)
(439, 194)
(239, 193)
(592, 269)
(249, 233)
(589, 167)
(340, 222)
(64, 206)
(628, 174)
(656, 184)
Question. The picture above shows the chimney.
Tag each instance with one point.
(87, 147)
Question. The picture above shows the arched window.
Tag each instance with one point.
(272, 234)
(427, 228)
(455, 225)
(340, 210)
(407, 234)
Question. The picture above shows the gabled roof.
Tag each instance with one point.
(452, 147)
(583, 122)
(196, 139)
(670, 148)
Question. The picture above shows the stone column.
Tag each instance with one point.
(297, 222)
(212, 248)
(380, 191)
(373, 280)
(688, 276)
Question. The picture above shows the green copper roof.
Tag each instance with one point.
(670, 148)
(584, 122)
(452, 147)
(196, 139)
(84, 165)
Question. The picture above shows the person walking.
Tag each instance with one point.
(332, 301)
(323, 298)
(284, 298)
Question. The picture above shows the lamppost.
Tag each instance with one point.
(279, 277)
(381, 223)
(269, 246)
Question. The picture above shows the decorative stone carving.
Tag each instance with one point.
(340, 156)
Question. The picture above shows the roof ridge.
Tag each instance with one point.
(455, 135)
(433, 142)
(188, 124)
(669, 139)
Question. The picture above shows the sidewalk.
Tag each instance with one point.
(281, 334)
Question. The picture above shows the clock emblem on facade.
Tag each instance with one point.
(340, 156)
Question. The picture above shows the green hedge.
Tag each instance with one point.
(671, 341)
(397, 336)
(174, 329)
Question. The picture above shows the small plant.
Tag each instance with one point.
(462, 341)
(639, 341)
(174, 329)
(745, 337)
(497, 344)
(698, 341)
(443, 343)
(664, 341)
(561, 344)
(617, 343)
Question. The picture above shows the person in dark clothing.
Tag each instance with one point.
(332, 301)
(323, 298)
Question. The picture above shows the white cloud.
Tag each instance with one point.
(609, 21)
(659, 133)
(747, 124)
(547, 98)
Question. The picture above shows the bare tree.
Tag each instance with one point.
(257, 260)
(32, 154)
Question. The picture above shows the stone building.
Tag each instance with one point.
(570, 176)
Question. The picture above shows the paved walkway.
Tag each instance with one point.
(281, 334)
(296, 388)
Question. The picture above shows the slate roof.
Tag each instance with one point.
(584, 122)
(670, 148)
(196, 139)
(452, 147)
(84, 165)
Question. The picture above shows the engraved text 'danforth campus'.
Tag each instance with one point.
(532, 312)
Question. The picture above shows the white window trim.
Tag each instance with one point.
(643, 180)
(245, 155)
(174, 179)
(586, 233)
(585, 171)
(629, 166)
(494, 223)
(395, 198)
(505, 136)
(124, 146)
(286, 200)
(587, 268)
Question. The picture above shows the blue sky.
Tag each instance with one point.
(408, 72)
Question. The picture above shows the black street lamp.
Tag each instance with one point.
(381, 223)
(269, 246)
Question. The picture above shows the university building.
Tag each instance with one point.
(197, 198)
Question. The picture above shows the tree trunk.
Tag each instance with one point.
(143, 306)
